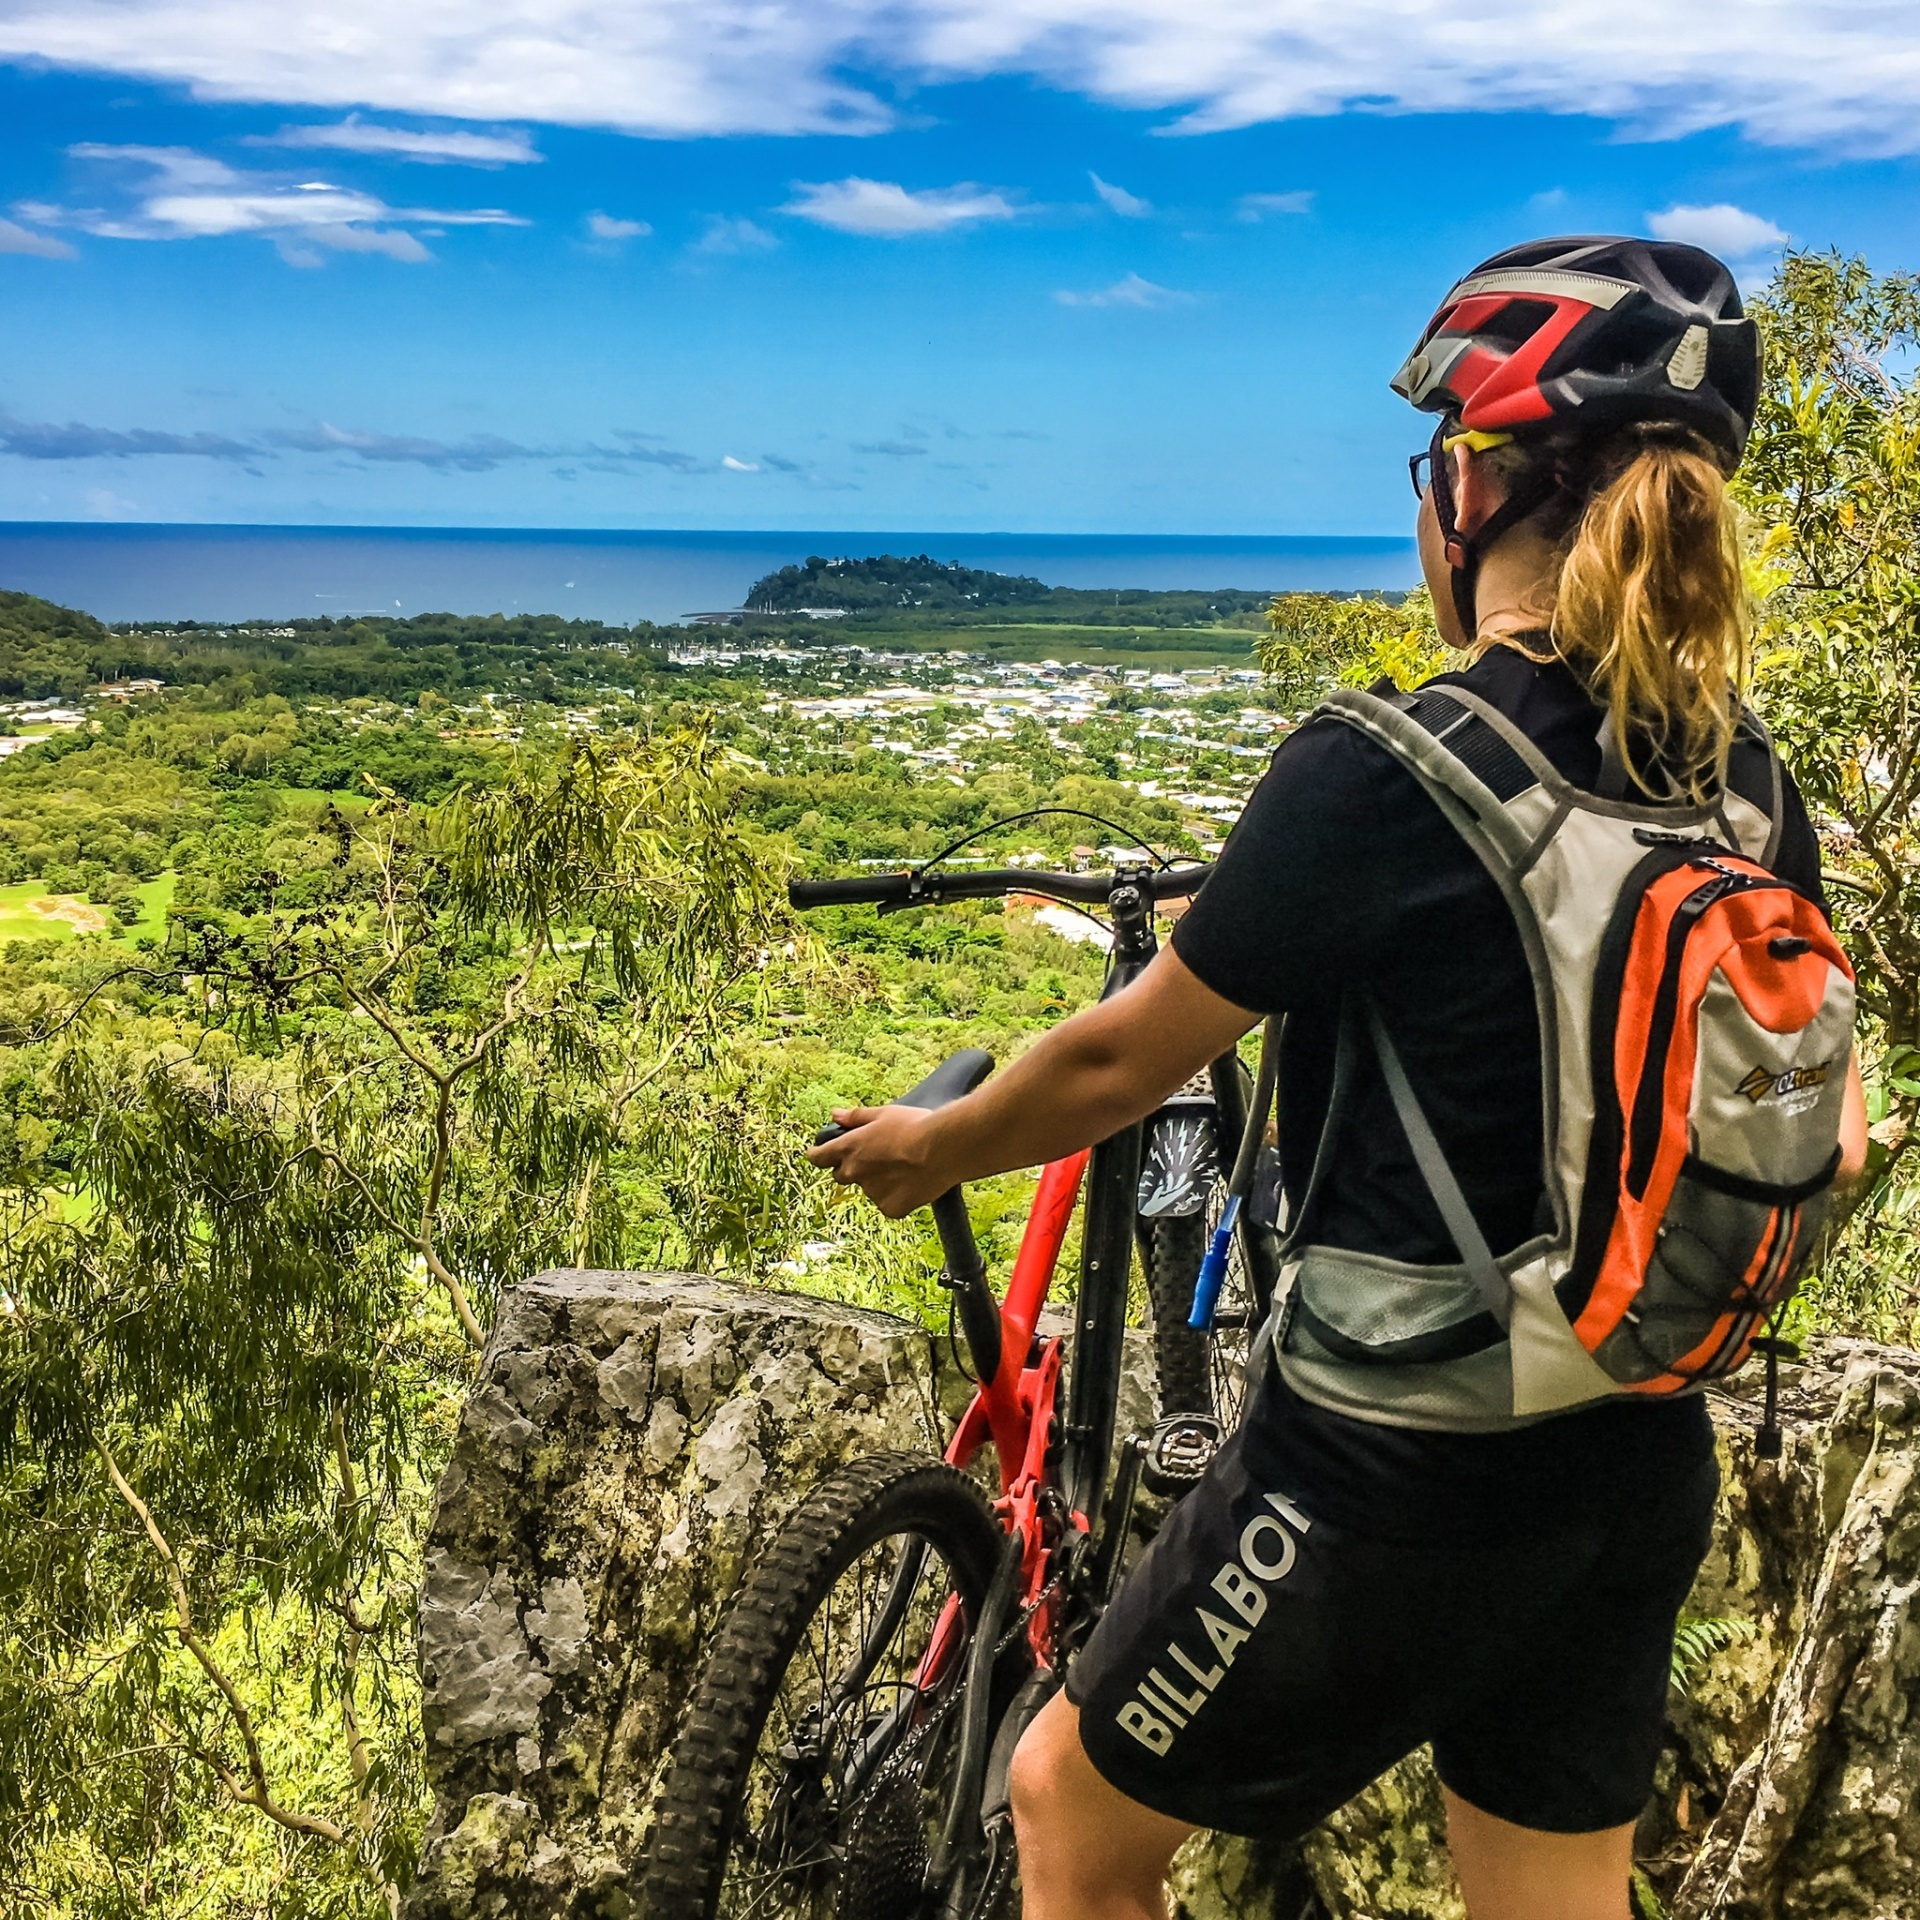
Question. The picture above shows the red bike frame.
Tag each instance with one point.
(1015, 1407)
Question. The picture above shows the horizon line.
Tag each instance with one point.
(728, 533)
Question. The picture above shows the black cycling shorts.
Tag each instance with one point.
(1261, 1665)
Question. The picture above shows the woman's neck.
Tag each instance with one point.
(1514, 592)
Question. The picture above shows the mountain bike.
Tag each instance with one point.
(847, 1754)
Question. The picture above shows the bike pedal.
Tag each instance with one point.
(1179, 1451)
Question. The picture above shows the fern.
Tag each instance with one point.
(1698, 1637)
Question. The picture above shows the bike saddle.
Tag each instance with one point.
(948, 1082)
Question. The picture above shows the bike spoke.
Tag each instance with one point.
(840, 1728)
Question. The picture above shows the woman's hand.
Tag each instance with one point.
(1083, 1081)
(888, 1152)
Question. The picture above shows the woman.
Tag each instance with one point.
(1506, 1592)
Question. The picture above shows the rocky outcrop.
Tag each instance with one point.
(632, 1439)
(629, 1442)
(1796, 1777)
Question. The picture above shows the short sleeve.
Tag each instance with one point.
(1296, 902)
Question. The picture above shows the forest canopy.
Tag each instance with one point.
(49, 652)
(919, 592)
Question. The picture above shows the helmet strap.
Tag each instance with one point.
(1464, 550)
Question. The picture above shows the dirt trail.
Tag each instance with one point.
(81, 917)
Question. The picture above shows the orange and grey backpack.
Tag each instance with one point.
(1696, 1022)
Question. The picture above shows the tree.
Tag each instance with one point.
(283, 1171)
(1315, 641)
(1832, 482)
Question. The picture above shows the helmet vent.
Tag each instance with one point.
(1688, 367)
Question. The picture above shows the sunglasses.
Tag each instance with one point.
(1420, 472)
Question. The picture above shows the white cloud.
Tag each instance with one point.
(459, 148)
(1254, 207)
(1731, 232)
(734, 236)
(1133, 291)
(15, 238)
(191, 196)
(739, 466)
(1129, 206)
(889, 211)
(1831, 73)
(480, 454)
(603, 226)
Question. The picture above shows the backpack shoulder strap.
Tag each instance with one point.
(1751, 727)
(1475, 1255)
(1469, 757)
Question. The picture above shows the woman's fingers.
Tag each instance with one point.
(833, 1152)
(883, 1153)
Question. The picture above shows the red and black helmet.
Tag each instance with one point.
(1591, 332)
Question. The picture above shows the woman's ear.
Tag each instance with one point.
(1477, 490)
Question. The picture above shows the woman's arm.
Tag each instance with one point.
(1084, 1081)
(1853, 1127)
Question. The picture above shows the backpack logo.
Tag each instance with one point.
(1759, 1083)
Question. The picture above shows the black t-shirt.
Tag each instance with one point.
(1343, 872)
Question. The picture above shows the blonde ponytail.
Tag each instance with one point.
(1652, 611)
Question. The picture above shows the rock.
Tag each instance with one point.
(632, 1440)
(1804, 1755)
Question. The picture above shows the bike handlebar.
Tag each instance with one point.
(929, 889)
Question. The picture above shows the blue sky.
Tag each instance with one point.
(732, 266)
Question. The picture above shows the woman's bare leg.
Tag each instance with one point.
(1516, 1873)
(1087, 1852)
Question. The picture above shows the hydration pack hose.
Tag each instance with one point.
(1213, 1268)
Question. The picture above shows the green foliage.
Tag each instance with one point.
(313, 1136)
(921, 594)
(887, 580)
(1832, 481)
(1698, 1637)
(47, 651)
(1315, 642)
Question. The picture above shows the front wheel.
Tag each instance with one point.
(809, 1780)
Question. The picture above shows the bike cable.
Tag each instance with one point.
(1041, 813)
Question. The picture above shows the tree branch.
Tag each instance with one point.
(357, 1756)
(462, 1306)
(255, 1793)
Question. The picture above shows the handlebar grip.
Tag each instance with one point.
(828, 1134)
(878, 889)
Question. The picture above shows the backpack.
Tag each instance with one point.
(1696, 1019)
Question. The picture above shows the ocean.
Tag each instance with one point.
(234, 574)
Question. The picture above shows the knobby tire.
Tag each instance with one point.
(758, 1663)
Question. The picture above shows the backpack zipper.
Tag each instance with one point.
(1649, 1100)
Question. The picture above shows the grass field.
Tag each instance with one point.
(29, 912)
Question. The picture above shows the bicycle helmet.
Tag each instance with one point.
(1579, 336)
